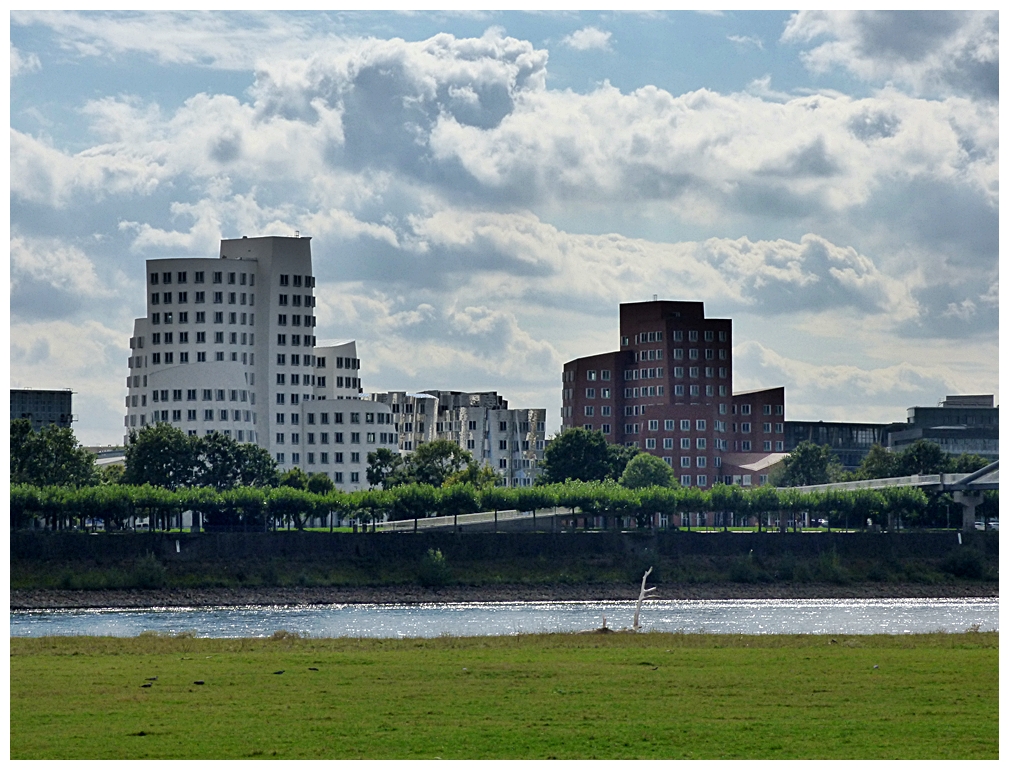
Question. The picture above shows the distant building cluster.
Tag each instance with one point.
(228, 344)
(959, 425)
(668, 391)
(202, 361)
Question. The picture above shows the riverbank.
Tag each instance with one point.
(413, 594)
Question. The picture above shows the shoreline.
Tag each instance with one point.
(57, 599)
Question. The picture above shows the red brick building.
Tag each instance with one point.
(668, 391)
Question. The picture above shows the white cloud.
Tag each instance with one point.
(22, 63)
(928, 51)
(588, 39)
(86, 356)
(747, 41)
(63, 267)
(842, 391)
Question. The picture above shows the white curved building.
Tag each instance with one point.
(228, 344)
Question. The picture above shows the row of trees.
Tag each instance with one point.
(811, 463)
(259, 508)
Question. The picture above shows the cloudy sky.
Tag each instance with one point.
(484, 189)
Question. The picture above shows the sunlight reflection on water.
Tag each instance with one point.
(743, 616)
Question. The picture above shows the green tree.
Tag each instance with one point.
(295, 478)
(645, 470)
(257, 468)
(967, 463)
(922, 457)
(878, 463)
(383, 465)
(619, 455)
(217, 463)
(808, 464)
(111, 474)
(161, 456)
(576, 454)
(477, 476)
(49, 456)
(435, 461)
(320, 484)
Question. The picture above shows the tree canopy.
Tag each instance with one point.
(51, 455)
(645, 470)
(808, 464)
(583, 455)
(164, 456)
(434, 463)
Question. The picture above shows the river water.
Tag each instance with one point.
(743, 616)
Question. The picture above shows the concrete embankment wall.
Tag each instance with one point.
(322, 546)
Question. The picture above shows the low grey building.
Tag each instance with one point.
(43, 407)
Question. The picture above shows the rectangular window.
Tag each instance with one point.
(684, 443)
(684, 462)
(589, 411)
(667, 443)
(702, 443)
(702, 424)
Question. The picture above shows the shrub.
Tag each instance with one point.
(829, 568)
(149, 573)
(434, 569)
(964, 563)
(745, 570)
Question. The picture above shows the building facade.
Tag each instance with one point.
(43, 407)
(959, 425)
(966, 424)
(668, 391)
(228, 344)
(510, 441)
(851, 441)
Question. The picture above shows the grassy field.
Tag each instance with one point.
(614, 696)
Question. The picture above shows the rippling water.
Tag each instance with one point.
(745, 616)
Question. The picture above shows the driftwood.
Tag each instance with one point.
(641, 597)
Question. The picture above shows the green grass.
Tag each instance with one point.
(616, 696)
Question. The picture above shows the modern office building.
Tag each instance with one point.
(511, 441)
(851, 441)
(228, 344)
(414, 414)
(668, 390)
(966, 424)
(43, 407)
(959, 425)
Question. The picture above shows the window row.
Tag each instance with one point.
(355, 438)
(590, 375)
(370, 418)
(168, 358)
(201, 318)
(297, 339)
(209, 415)
(644, 374)
(297, 359)
(296, 300)
(234, 338)
(296, 281)
(295, 320)
(694, 354)
(199, 277)
(200, 297)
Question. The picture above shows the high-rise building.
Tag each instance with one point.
(668, 391)
(43, 407)
(228, 344)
